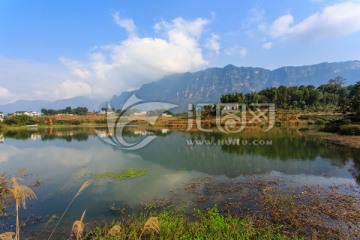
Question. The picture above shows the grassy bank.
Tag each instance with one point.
(167, 224)
(251, 208)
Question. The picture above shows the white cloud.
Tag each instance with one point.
(177, 46)
(281, 26)
(76, 68)
(138, 60)
(6, 96)
(213, 43)
(69, 89)
(267, 45)
(127, 24)
(335, 20)
(236, 51)
(4, 92)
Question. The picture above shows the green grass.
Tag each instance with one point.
(4, 196)
(208, 224)
(121, 174)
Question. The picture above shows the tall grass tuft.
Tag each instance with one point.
(82, 188)
(51, 219)
(7, 236)
(151, 226)
(78, 227)
(20, 193)
(114, 231)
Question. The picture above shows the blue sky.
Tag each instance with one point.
(64, 48)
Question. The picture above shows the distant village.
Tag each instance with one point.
(101, 112)
(19, 113)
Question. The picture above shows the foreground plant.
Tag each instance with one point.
(82, 188)
(20, 193)
(78, 227)
(151, 226)
(7, 236)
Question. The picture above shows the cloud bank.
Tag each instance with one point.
(335, 20)
(177, 46)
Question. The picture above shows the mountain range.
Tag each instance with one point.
(208, 85)
(37, 105)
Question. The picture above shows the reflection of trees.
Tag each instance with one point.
(355, 170)
(75, 136)
(297, 154)
(48, 134)
(19, 134)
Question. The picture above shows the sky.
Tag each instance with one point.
(60, 49)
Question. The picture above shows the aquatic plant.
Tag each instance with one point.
(151, 226)
(20, 193)
(115, 230)
(78, 226)
(82, 188)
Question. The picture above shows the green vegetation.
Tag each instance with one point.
(208, 224)
(121, 174)
(19, 120)
(327, 96)
(68, 110)
(4, 196)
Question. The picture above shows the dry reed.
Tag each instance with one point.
(78, 226)
(82, 188)
(7, 236)
(20, 193)
(115, 230)
(151, 226)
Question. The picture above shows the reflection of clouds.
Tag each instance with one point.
(159, 183)
(6, 152)
(66, 157)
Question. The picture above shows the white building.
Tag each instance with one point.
(1, 116)
(27, 113)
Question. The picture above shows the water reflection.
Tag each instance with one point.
(63, 158)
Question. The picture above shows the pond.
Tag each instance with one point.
(55, 162)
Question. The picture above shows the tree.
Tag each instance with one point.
(355, 101)
(337, 81)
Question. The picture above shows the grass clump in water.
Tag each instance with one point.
(4, 196)
(121, 174)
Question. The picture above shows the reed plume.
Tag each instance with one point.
(115, 230)
(151, 226)
(51, 219)
(20, 193)
(82, 188)
(7, 236)
(78, 226)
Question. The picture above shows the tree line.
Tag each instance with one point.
(68, 110)
(331, 96)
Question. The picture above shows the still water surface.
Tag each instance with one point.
(62, 159)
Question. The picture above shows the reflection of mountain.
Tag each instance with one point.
(288, 154)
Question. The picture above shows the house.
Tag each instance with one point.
(1, 116)
(166, 115)
(142, 113)
(19, 113)
(34, 114)
(27, 113)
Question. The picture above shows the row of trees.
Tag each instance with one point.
(332, 95)
(68, 110)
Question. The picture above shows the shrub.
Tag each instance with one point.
(349, 130)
